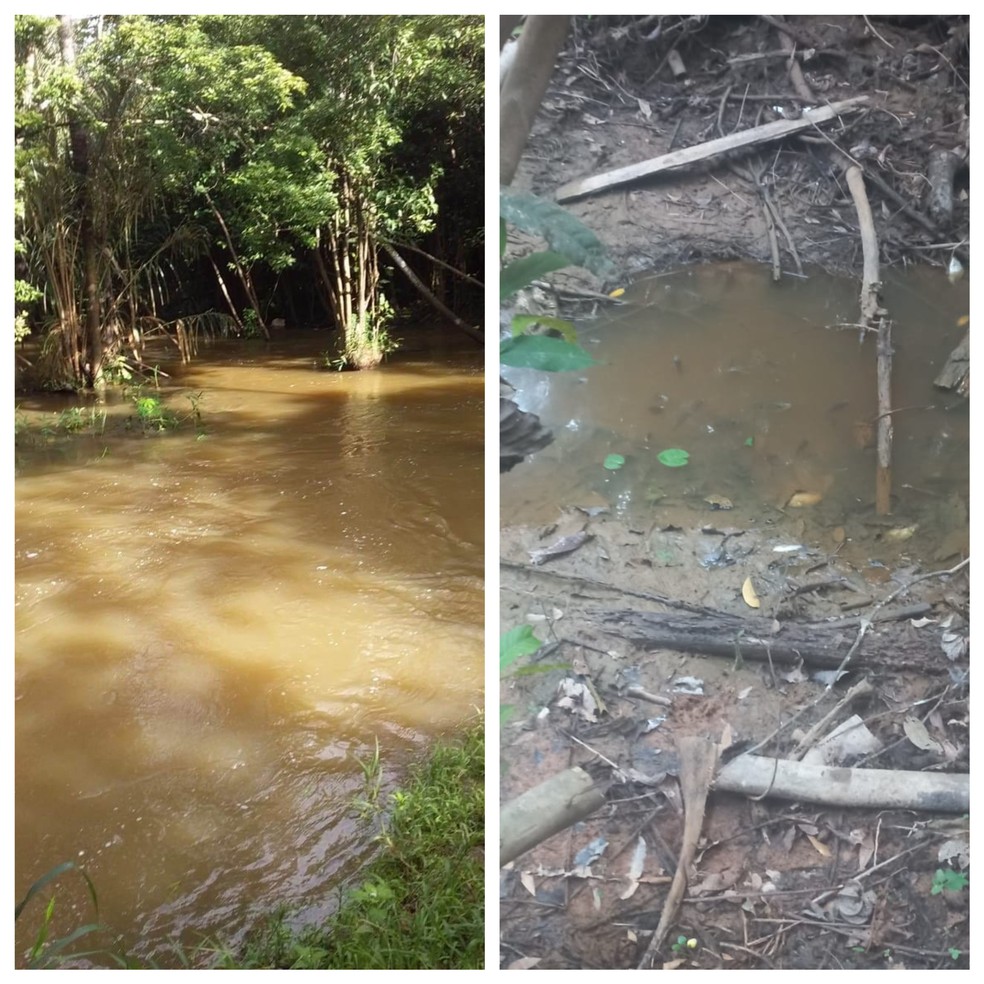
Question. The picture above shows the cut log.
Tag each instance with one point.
(817, 644)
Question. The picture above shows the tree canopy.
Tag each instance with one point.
(226, 170)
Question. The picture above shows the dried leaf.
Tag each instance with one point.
(954, 645)
(819, 846)
(801, 499)
(565, 545)
(526, 878)
(638, 861)
(524, 963)
(866, 851)
(916, 732)
(748, 593)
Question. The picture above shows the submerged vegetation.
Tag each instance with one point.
(418, 904)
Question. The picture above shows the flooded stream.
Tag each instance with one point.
(772, 393)
(212, 629)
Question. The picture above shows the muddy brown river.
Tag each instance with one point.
(211, 631)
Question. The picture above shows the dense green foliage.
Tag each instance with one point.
(168, 166)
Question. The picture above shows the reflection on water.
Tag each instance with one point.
(771, 392)
(211, 631)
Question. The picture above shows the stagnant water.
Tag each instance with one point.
(771, 392)
(212, 630)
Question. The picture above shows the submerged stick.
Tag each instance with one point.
(873, 315)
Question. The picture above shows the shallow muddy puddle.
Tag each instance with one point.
(772, 393)
(212, 631)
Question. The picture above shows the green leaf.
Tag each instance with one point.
(674, 457)
(516, 643)
(954, 953)
(522, 272)
(521, 322)
(614, 461)
(947, 880)
(543, 352)
(563, 232)
(749, 442)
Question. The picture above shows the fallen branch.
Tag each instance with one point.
(765, 133)
(698, 761)
(756, 638)
(436, 302)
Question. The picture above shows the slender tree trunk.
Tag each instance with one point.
(225, 293)
(81, 165)
(242, 272)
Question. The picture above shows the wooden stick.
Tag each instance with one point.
(546, 810)
(883, 474)
(765, 133)
(698, 763)
(873, 315)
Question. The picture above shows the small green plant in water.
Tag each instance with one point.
(72, 420)
(47, 952)
(367, 341)
(613, 462)
(153, 414)
(251, 324)
(372, 771)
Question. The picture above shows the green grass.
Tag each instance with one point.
(419, 904)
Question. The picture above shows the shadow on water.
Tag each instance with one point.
(212, 629)
(772, 392)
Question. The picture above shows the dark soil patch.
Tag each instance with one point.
(772, 883)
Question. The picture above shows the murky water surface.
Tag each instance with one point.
(211, 630)
(772, 393)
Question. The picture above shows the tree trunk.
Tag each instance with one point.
(81, 165)
(241, 271)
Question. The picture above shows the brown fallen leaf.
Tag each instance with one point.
(801, 499)
(565, 545)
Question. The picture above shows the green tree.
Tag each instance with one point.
(151, 149)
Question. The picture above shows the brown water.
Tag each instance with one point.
(769, 397)
(211, 631)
